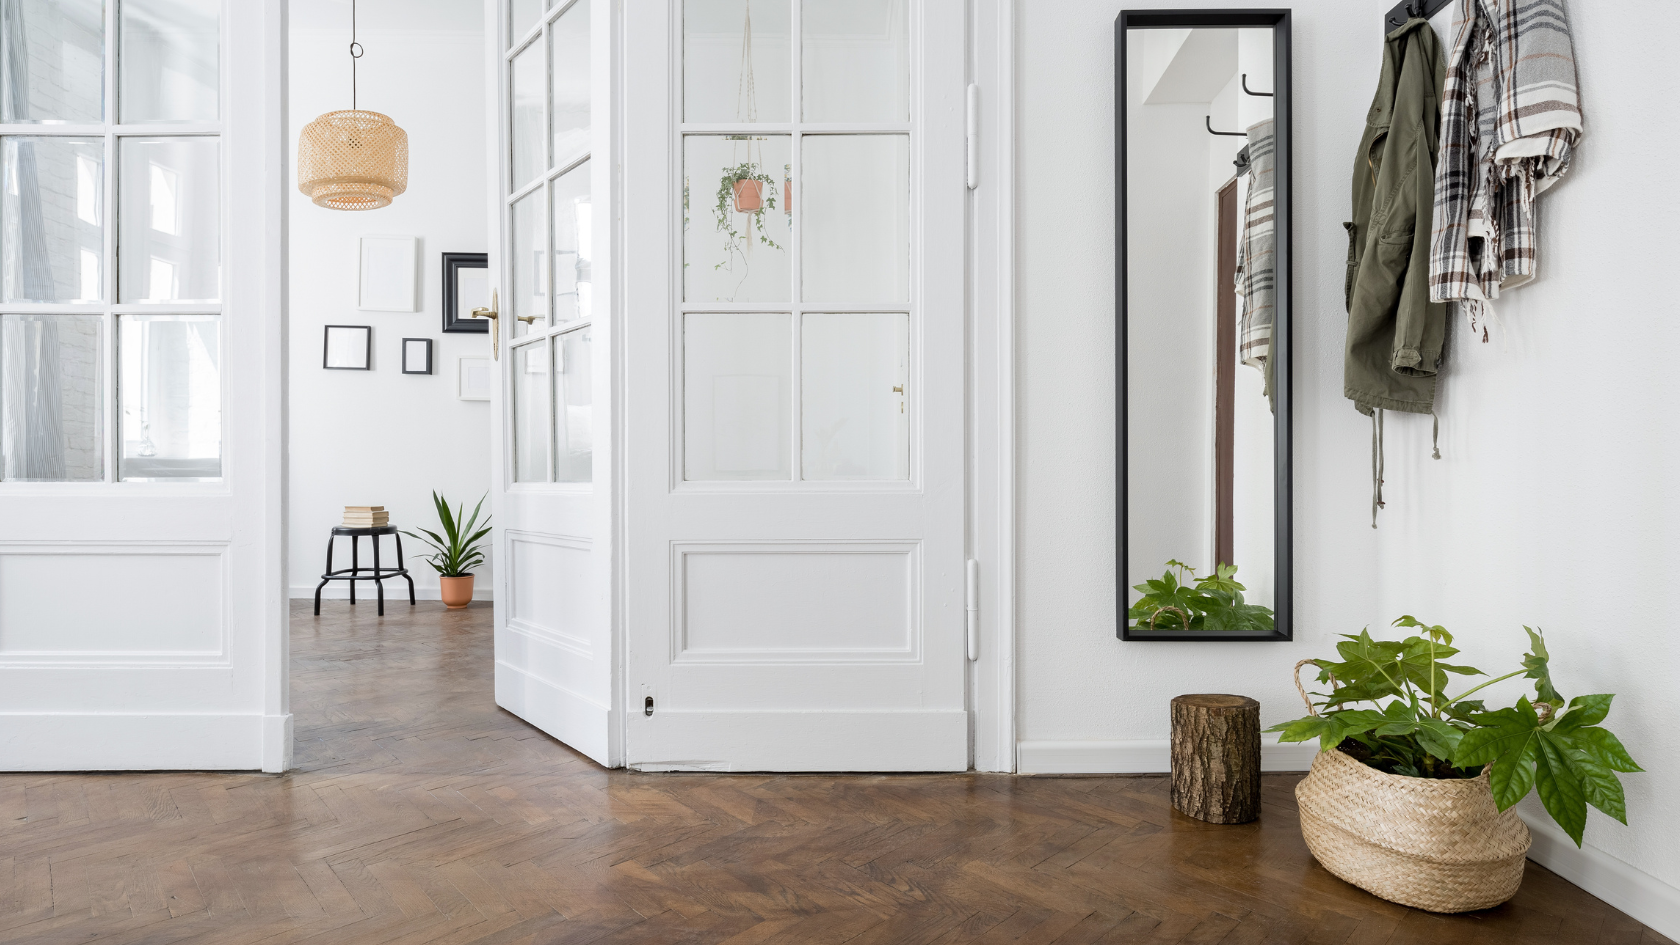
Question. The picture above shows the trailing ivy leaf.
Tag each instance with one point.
(1559, 790)
(1584, 711)
(1605, 748)
(1536, 661)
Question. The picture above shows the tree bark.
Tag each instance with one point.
(1216, 758)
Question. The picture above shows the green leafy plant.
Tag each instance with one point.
(1186, 602)
(459, 548)
(1417, 730)
(735, 241)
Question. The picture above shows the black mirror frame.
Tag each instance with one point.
(454, 321)
(1282, 344)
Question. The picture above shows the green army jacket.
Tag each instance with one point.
(1395, 334)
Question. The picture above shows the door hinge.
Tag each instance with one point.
(973, 136)
(647, 706)
(973, 597)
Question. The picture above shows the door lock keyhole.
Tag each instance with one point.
(647, 706)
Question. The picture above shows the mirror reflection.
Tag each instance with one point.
(1200, 402)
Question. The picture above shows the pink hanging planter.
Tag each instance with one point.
(749, 196)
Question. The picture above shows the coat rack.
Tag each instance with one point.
(1409, 9)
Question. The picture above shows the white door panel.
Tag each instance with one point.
(794, 388)
(142, 605)
(552, 464)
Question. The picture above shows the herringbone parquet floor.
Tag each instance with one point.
(420, 813)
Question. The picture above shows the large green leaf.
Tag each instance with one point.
(1599, 785)
(1559, 789)
(1605, 748)
(1500, 734)
(1537, 661)
(1301, 730)
(1512, 777)
(1584, 711)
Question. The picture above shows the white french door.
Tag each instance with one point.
(142, 605)
(552, 463)
(794, 200)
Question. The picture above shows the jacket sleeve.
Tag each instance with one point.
(1416, 318)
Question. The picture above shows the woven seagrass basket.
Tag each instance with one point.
(1440, 845)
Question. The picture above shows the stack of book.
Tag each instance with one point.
(366, 516)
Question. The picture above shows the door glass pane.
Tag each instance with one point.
(52, 219)
(856, 60)
(568, 57)
(52, 414)
(737, 396)
(171, 58)
(573, 229)
(853, 371)
(529, 296)
(530, 412)
(526, 124)
(524, 14)
(169, 394)
(573, 417)
(856, 218)
(169, 231)
(52, 66)
(735, 218)
(737, 60)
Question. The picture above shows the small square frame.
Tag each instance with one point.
(455, 320)
(422, 353)
(465, 392)
(367, 347)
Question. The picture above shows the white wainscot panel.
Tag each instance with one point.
(549, 586)
(796, 602)
(113, 603)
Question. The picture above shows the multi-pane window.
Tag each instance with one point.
(796, 310)
(110, 240)
(550, 301)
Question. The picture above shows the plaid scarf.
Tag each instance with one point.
(1257, 251)
(1510, 120)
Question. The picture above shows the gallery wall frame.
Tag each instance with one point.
(474, 379)
(417, 355)
(466, 286)
(388, 280)
(347, 348)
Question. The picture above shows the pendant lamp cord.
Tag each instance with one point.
(355, 54)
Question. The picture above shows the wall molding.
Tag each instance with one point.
(1138, 756)
(1635, 892)
(142, 741)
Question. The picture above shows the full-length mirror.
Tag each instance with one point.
(1203, 331)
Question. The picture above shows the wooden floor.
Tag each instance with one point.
(420, 813)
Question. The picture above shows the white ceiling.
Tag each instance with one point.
(449, 15)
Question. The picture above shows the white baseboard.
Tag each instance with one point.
(1637, 893)
(139, 742)
(394, 590)
(1142, 756)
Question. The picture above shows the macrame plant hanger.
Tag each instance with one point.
(749, 194)
(355, 159)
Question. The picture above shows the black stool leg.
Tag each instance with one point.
(403, 564)
(378, 580)
(355, 565)
(324, 577)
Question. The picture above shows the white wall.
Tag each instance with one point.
(1552, 504)
(383, 437)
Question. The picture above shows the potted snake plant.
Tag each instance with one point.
(458, 550)
(1411, 794)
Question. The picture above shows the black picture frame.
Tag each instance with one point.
(403, 352)
(367, 348)
(453, 320)
(1279, 21)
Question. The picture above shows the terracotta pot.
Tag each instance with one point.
(457, 591)
(749, 196)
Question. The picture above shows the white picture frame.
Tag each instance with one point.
(474, 379)
(389, 276)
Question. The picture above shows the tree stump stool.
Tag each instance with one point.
(1216, 758)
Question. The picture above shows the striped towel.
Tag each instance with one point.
(1257, 251)
(1510, 122)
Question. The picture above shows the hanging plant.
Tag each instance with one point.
(743, 189)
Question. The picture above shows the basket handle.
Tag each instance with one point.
(1302, 689)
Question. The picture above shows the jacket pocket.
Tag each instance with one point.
(1352, 264)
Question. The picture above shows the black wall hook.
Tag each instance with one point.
(1250, 91)
(1228, 134)
(1409, 10)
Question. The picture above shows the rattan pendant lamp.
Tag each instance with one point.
(355, 159)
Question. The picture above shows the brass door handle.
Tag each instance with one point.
(493, 314)
(527, 319)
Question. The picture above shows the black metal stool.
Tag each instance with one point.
(356, 572)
